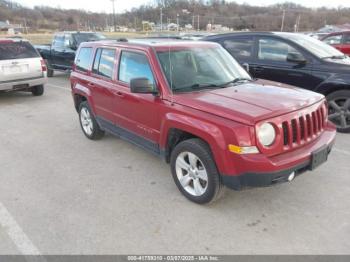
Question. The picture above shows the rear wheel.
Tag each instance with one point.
(50, 72)
(194, 171)
(88, 123)
(339, 110)
(37, 90)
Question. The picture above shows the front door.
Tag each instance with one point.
(271, 63)
(136, 114)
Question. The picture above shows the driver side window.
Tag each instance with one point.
(275, 50)
(134, 65)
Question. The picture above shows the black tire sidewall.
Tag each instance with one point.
(37, 90)
(334, 96)
(203, 152)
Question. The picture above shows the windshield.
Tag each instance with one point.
(87, 37)
(315, 46)
(196, 68)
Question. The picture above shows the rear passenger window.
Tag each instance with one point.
(58, 41)
(240, 47)
(83, 59)
(104, 62)
(134, 65)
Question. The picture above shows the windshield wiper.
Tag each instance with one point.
(334, 57)
(198, 86)
(236, 80)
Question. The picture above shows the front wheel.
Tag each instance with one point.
(339, 110)
(194, 171)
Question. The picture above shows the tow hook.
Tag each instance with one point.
(291, 176)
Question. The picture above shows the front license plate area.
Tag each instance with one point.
(319, 157)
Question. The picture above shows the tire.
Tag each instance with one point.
(88, 123)
(210, 188)
(339, 110)
(37, 90)
(50, 72)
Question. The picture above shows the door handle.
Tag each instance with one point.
(91, 84)
(258, 69)
(120, 94)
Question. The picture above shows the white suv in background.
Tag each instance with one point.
(21, 67)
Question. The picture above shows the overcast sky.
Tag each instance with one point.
(121, 5)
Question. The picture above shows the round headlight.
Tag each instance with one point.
(266, 134)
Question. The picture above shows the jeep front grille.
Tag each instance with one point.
(304, 128)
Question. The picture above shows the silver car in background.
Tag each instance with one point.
(21, 67)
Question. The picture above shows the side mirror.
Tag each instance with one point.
(296, 58)
(142, 85)
(246, 67)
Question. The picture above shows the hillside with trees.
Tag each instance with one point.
(191, 12)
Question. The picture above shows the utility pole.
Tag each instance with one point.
(198, 23)
(283, 17)
(161, 19)
(25, 25)
(298, 23)
(114, 22)
(193, 22)
(177, 22)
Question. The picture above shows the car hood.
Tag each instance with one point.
(250, 102)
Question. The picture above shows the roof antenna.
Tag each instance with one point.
(170, 67)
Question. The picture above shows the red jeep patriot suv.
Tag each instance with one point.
(193, 105)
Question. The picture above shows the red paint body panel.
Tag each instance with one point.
(344, 46)
(220, 117)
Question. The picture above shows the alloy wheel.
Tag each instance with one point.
(86, 121)
(191, 173)
(339, 112)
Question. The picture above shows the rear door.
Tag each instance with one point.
(271, 63)
(61, 51)
(19, 61)
(102, 82)
(56, 49)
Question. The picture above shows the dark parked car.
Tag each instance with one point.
(61, 54)
(298, 60)
(339, 40)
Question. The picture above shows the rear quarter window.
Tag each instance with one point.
(17, 50)
(83, 59)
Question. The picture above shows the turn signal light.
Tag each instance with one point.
(241, 150)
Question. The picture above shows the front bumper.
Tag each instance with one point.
(277, 169)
